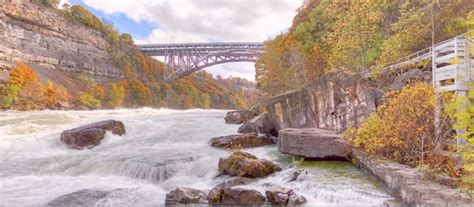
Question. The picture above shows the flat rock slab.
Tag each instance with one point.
(313, 143)
(90, 135)
(238, 141)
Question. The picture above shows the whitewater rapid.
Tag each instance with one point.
(162, 149)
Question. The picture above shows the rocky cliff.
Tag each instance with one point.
(334, 102)
(50, 42)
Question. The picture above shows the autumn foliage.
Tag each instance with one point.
(355, 36)
(26, 92)
(402, 128)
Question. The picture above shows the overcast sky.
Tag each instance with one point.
(179, 21)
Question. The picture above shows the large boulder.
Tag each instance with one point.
(243, 164)
(90, 135)
(241, 196)
(260, 124)
(239, 116)
(313, 143)
(241, 141)
(185, 196)
(215, 194)
(86, 197)
(284, 196)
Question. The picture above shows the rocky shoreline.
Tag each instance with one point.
(406, 184)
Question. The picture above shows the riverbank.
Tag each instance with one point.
(408, 185)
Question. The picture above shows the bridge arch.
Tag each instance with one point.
(184, 59)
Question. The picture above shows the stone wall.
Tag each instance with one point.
(48, 39)
(336, 102)
(408, 184)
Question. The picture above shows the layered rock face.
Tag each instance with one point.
(336, 102)
(50, 41)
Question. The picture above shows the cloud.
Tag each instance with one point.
(180, 21)
(243, 70)
(62, 2)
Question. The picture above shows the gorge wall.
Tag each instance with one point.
(336, 102)
(50, 42)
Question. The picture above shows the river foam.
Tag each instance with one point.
(163, 149)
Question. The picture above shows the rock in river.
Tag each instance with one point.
(243, 164)
(313, 143)
(241, 196)
(260, 124)
(90, 135)
(185, 196)
(241, 141)
(284, 196)
(239, 116)
(215, 195)
(86, 197)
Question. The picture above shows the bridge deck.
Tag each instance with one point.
(163, 49)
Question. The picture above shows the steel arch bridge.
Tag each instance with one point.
(184, 59)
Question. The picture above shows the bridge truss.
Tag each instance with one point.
(184, 59)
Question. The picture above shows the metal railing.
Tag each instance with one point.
(424, 54)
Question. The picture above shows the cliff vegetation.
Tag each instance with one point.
(141, 83)
(355, 36)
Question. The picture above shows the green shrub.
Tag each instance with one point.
(89, 101)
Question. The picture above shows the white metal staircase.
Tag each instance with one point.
(452, 63)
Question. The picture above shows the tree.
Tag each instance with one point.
(140, 94)
(22, 74)
(99, 92)
(10, 96)
(357, 38)
(117, 95)
(51, 95)
(461, 110)
(51, 3)
(81, 14)
(89, 101)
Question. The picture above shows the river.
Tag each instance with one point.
(163, 149)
